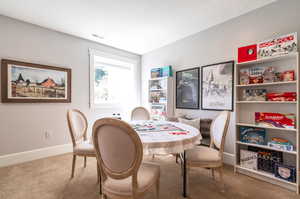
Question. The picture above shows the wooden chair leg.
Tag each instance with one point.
(98, 173)
(221, 179)
(213, 173)
(157, 189)
(177, 158)
(73, 166)
(99, 179)
(84, 161)
(187, 180)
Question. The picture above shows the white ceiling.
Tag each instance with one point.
(138, 26)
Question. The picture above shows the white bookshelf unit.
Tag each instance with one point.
(161, 97)
(245, 111)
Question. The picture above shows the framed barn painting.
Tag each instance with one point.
(217, 86)
(34, 83)
(187, 89)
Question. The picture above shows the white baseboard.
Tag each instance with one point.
(229, 158)
(17, 158)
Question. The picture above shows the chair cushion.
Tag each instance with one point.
(205, 141)
(202, 155)
(84, 148)
(147, 176)
(194, 123)
(205, 127)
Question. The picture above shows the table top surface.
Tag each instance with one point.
(164, 131)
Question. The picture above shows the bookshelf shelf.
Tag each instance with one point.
(266, 147)
(266, 174)
(245, 117)
(268, 84)
(270, 59)
(266, 102)
(265, 127)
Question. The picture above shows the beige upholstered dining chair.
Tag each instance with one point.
(119, 153)
(78, 125)
(211, 157)
(140, 113)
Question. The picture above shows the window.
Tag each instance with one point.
(113, 81)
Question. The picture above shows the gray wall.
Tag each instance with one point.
(23, 126)
(220, 43)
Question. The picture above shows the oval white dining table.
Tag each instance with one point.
(163, 137)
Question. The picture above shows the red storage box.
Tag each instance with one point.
(247, 53)
(286, 96)
(275, 120)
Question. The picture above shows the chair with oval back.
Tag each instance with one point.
(211, 157)
(140, 113)
(119, 153)
(78, 125)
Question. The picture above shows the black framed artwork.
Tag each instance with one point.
(217, 82)
(187, 88)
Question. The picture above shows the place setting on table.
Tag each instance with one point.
(163, 137)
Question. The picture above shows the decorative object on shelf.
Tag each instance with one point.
(287, 76)
(155, 72)
(286, 96)
(157, 97)
(187, 89)
(217, 86)
(285, 172)
(277, 46)
(34, 83)
(269, 75)
(260, 74)
(252, 135)
(278, 120)
(254, 94)
(247, 53)
(244, 76)
(158, 111)
(282, 144)
(256, 75)
(155, 85)
(267, 159)
(248, 159)
(165, 71)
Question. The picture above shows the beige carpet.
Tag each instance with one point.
(50, 179)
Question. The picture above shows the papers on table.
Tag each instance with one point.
(160, 131)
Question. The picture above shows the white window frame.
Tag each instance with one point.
(136, 76)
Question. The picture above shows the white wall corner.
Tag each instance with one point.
(17, 158)
(229, 158)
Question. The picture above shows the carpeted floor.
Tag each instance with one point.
(50, 179)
